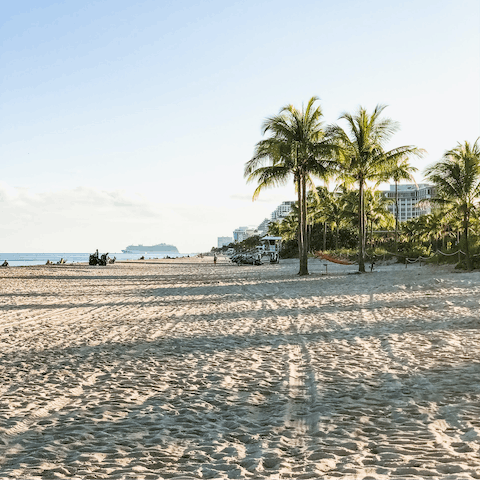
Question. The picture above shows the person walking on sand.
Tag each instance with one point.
(214, 258)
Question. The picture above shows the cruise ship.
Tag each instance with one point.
(160, 248)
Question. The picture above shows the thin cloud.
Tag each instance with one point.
(82, 219)
(71, 220)
(262, 198)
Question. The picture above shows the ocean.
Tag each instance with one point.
(23, 259)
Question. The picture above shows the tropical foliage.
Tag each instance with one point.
(354, 156)
(457, 180)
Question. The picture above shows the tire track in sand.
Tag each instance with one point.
(453, 439)
(302, 384)
(51, 408)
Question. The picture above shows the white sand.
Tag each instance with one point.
(183, 369)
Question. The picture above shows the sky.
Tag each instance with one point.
(130, 122)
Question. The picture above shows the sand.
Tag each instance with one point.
(179, 369)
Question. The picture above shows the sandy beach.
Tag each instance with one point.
(177, 368)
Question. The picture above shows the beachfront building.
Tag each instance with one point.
(263, 227)
(281, 211)
(223, 241)
(242, 233)
(412, 200)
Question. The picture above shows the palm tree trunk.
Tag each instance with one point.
(324, 236)
(466, 222)
(458, 246)
(372, 243)
(304, 254)
(300, 228)
(361, 228)
(309, 235)
(336, 238)
(396, 217)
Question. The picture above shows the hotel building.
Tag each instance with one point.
(409, 197)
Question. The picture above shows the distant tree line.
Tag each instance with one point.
(244, 246)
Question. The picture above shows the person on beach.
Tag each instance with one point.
(214, 258)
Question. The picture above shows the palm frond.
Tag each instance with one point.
(267, 177)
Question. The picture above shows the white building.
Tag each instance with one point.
(409, 195)
(263, 227)
(242, 233)
(282, 211)
(223, 241)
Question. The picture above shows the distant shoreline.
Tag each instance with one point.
(33, 259)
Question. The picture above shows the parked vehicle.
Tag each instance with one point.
(102, 260)
(247, 258)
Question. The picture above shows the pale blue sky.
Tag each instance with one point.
(150, 109)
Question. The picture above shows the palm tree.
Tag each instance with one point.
(401, 170)
(376, 210)
(317, 206)
(349, 204)
(329, 211)
(288, 227)
(412, 230)
(298, 148)
(363, 158)
(274, 228)
(457, 180)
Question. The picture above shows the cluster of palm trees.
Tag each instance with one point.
(457, 180)
(355, 158)
(332, 217)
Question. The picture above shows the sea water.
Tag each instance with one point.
(23, 259)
